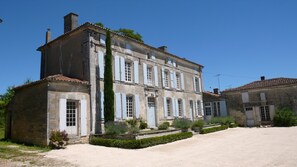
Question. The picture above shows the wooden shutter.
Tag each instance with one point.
(223, 109)
(173, 107)
(163, 77)
(118, 106)
(245, 97)
(117, 72)
(200, 84)
(172, 79)
(191, 104)
(102, 104)
(182, 81)
(165, 108)
(122, 66)
(176, 108)
(144, 74)
(62, 113)
(137, 112)
(124, 106)
(156, 76)
(184, 108)
(101, 64)
(262, 96)
(136, 80)
(83, 118)
(202, 108)
(194, 84)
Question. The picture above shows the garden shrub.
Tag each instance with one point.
(182, 123)
(142, 125)
(222, 120)
(239, 117)
(132, 122)
(214, 129)
(142, 143)
(115, 128)
(133, 130)
(58, 139)
(197, 125)
(233, 125)
(163, 126)
(284, 117)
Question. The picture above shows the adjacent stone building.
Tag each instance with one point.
(259, 100)
(149, 83)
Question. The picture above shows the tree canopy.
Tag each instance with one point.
(130, 33)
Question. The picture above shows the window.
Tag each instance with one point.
(249, 109)
(128, 49)
(128, 66)
(71, 112)
(149, 56)
(102, 39)
(129, 106)
(178, 83)
(207, 108)
(216, 109)
(199, 109)
(150, 75)
(265, 115)
(197, 84)
(168, 103)
(180, 112)
(166, 73)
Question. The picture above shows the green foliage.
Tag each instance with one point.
(58, 139)
(115, 128)
(130, 33)
(99, 24)
(132, 122)
(142, 143)
(284, 117)
(197, 125)
(108, 82)
(182, 123)
(214, 129)
(4, 101)
(233, 125)
(239, 117)
(163, 126)
(222, 120)
(133, 130)
(142, 125)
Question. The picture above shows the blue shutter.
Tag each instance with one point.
(173, 107)
(184, 108)
(101, 64)
(62, 113)
(122, 62)
(83, 118)
(172, 79)
(102, 105)
(165, 108)
(194, 84)
(176, 108)
(118, 106)
(124, 106)
(136, 80)
(163, 77)
(182, 81)
(156, 76)
(117, 73)
(137, 112)
(144, 74)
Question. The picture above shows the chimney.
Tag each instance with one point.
(262, 78)
(70, 22)
(164, 48)
(48, 36)
(216, 91)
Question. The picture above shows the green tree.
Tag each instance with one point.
(4, 101)
(108, 82)
(99, 24)
(284, 117)
(130, 33)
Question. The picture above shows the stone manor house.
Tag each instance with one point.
(149, 84)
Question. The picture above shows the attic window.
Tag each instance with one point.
(149, 56)
(102, 39)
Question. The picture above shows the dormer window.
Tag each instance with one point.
(102, 39)
(128, 49)
(149, 56)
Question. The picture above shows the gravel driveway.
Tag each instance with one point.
(233, 147)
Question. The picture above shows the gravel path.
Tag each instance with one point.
(233, 147)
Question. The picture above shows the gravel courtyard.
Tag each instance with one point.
(232, 147)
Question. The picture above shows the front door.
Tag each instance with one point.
(71, 117)
(151, 117)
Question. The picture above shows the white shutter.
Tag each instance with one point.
(118, 106)
(83, 118)
(200, 85)
(128, 49)
(163, 77)
(176, 108)
(191, 109)
(117, 66)
(137, 109)
(173, 63)
(172, 79)
(144, 74)
(136, 80)
(184, 108)
(122, 62)
(245, 97)
(223, 108)
(165, 108)
(102, 105)
(202, 108)
(101, 64)
(102, 39)
(194, 84)
(258, 114)
(124, 106)
(153, 56)
(62, 111)
(271, 111)
(263, 97)
(156, 75)
(182, 81)
(173, 107)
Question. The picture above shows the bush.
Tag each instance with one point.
(142, 143)
(142, 125)
(214, 129)
(163, 126)
(284, 117)
(182, 123)
(133, 130)
(58, 139)
(132, 122)
(239, 117)
(197, 125)
(233, 125)
(222, 120)
(115, 128)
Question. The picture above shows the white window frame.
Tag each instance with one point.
(130, 106)
(166, 78)
(207, 108)
(178, 81)
(150, 78)
(71, 113)
(128, 71)
(180, 107)
(265, 113)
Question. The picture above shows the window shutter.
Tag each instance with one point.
(184, 108)
(118, 106)
(102, 39)
(271, 111)
(83, 118)
(122, 62)
(137, 112)
(202, 108)
(124, 106)
(200, 84)
(101, 64)
(144, 74)
(136, 80)
(223, 109)
(182, 81)
(163, 77)
(173, 107)
(173, 63)
(117, 66)
(62, 110)
(102, 105)
(156, 76)
(263, 97)
(194, 84)
(153, 56)
(172, 79)
(194, 109)
(165, 108)
(176, 108)
(191, 109)
(128, 49)
(245, 97)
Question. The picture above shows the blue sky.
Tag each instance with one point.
(239, 39)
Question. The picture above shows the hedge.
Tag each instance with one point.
(142, 143)
(214, 129)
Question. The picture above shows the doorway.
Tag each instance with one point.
(151, 112)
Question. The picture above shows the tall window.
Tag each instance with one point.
(129, 106)
(207, 108)
(199, 109)
(216, 109)
(168, 102)
(128, 66)
(71, 112)
(197, 86)
(180, 112)
(265, 115)
(150, 75)
(166, 73)
(178, 81)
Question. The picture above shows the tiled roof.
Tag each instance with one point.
(265, 84)
(211, 94)
(57, 77)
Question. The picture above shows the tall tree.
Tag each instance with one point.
(108, 82)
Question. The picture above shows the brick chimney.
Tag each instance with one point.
(70, 22)
(262, 78)
(216, 91)
(48, 36)
(164, 48)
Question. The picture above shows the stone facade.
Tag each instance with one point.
(214, 105)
